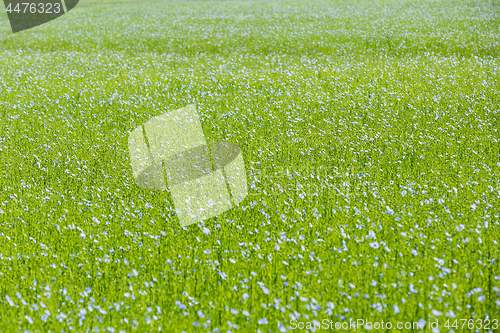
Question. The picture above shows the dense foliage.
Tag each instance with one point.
(370, 133)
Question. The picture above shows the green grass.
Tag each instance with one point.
(370, 133)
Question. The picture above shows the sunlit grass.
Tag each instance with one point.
(370, 137)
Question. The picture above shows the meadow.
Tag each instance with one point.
(370, 134)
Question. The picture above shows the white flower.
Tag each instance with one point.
(263, 321)
(440, 261)
(265, 290)
(374, 245)
(437, 313)
(9, 300)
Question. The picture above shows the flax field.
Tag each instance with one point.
(370, 132)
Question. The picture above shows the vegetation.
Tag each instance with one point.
(370, 133)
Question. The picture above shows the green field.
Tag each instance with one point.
(370, 132)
